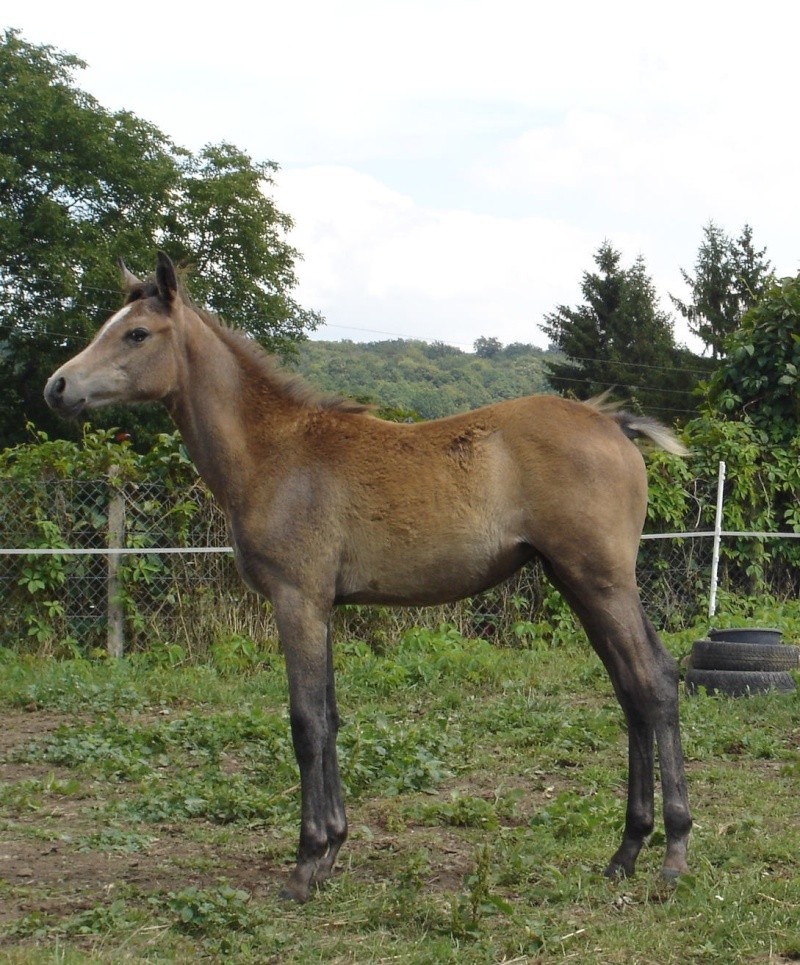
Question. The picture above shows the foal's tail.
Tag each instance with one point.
(638, 426)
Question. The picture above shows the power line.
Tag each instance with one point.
(637, 365)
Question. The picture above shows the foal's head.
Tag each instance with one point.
(133, 358)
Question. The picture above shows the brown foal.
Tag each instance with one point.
(327, 504)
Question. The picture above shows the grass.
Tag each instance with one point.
(150, 814)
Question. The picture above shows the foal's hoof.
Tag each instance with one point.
(616, 871)
(670, 874)
(295, 893)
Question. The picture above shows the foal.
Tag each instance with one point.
(328, 505)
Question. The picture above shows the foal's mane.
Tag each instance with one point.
(265, 366)
(254, 358)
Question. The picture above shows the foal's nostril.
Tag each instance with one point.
(54, 392)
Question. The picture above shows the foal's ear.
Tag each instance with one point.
(130, 280)
(166, 280)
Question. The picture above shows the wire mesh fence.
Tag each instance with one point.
(90, 566)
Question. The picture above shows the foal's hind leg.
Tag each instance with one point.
(645, 680)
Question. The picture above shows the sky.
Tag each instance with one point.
(452, 167)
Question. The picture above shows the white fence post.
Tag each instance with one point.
(712, 596)
(115, 642)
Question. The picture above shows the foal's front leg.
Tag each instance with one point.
(305, 639)
(335, 817)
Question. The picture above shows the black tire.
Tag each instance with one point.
(759, 635)
(723, 655)
(737, 683)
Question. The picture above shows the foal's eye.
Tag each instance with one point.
(137, 335)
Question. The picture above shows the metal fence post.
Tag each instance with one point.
(116, 540)
(712, 595)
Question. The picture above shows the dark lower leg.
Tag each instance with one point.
(305, 639)
(639, 813)
(645, 679)
(336, 819)
(309, 738)
(677, 816)
(675, 796)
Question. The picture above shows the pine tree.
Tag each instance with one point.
(730, 277)
(620, 339)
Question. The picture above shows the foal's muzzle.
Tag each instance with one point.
(57, 397)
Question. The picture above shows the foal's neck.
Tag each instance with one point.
(209, 410)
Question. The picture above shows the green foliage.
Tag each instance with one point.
(761, 496)
(460, 811)
(417, 379)
(213, 911)
(377, 754)
(471, 909)
(487, 348)
(111, 748)
(758, 383)
(730, 277)
(80, 187)
(116, 839)
(571, 815)
(234, 653)
(620, 339)
(750, 421)
(30, 795)
(94, 922)
(56, 493)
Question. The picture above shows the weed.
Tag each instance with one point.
(109, 748)
(470, 909)
(573, 815)
(461, 811)
(115, 839)
(211, 910)
(29, 795)
(102, 919)
(234, 653)
(393, 756)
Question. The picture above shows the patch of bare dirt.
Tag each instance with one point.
(19, 728)
(46, 866)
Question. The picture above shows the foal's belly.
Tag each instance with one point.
(431, 579)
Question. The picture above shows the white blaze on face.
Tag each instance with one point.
(107, 326)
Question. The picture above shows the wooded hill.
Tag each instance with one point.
(426, 379)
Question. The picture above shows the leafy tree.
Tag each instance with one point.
(439, 350)
(515, 349)
(759, 380)
(80, 187)
(730, 276)
(619, 338)
(486, 348)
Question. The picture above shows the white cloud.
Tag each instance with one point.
(376, 261)
(655, 164)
